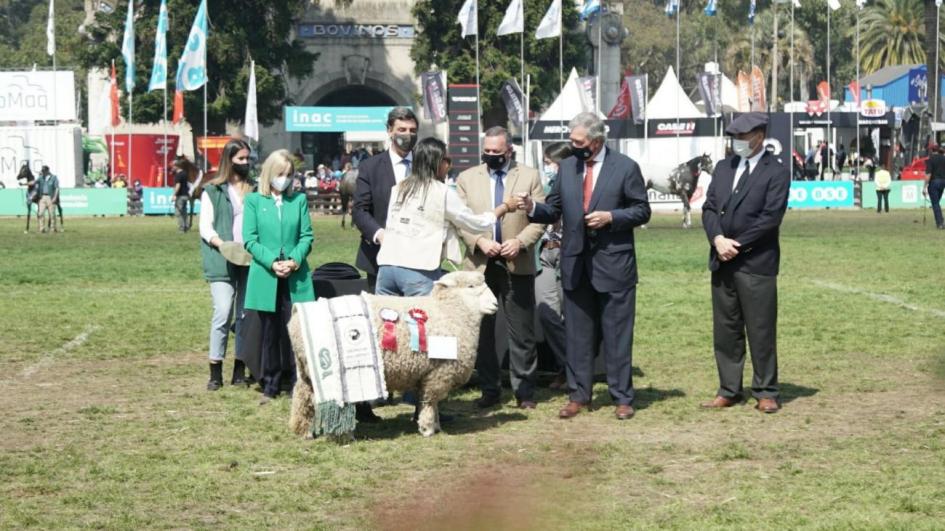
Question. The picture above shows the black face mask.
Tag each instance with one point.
(241, 169)
(405, 141)
(584, 153)
(494, 162)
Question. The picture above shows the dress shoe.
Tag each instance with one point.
(526, 404)
(624, 412)
(572, 409)
(720, 402)
(266, 399)
(487, 401)
(768, 405)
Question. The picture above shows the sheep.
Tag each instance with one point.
(455, 308)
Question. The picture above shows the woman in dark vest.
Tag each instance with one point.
(278, 233)
(221, 221)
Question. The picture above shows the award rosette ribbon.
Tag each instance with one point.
(389, 339)
(420, 317)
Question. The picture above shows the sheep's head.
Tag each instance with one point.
(470, 287)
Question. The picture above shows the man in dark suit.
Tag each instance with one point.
(744, 206)
(600, 197)
(376, 176)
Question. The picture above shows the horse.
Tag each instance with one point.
(349, 184)
(682, 181)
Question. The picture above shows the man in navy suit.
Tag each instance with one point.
(376, 176)
(600, 197)
(744, 206)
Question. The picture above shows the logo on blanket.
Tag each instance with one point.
(324, 359)
(354, 336)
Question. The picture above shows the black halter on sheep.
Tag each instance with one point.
(454, 309)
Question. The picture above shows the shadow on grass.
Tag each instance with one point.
(790, 392)
(643, 397)
(461, 423)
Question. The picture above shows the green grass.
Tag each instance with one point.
(107, 424)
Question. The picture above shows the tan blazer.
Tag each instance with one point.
(473, 188)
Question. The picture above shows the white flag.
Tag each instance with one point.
(251, 122)
(51, 31)
(469, 18)
(192, 67)
(938, 3)
(550, 25)
(860, 4)
(834, 4)
(797, 4)
(514, 20)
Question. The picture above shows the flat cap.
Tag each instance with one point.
(747, 122)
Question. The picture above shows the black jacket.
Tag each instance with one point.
(750, 215)
(369, 212)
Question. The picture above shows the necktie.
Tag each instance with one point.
(588, 183)
(742, 176)
(497, 200)
(406, 167)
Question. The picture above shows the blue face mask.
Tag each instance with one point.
(550, 173)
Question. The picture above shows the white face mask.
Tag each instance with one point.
(742, 148)
(280, 183)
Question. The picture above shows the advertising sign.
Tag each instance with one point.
(147, 156)
(823, 194)
(873, 108)
(365, 31)
(75, 202)
(335, 119)
(160, 201)
(59, 147)
(37, 96)
(902, 194)
(918, 85)
(464, 126)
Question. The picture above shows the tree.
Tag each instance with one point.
(255, 28)
(439, 42)
(892, 33)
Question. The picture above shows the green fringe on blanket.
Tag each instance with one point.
(332, 419)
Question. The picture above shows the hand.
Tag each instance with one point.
(510, 249)
(292, 265)
(216, 241)
(598, 219)
(379, 237)
(511, 204)
(525, 202)
(489, 247)
(726, 248)
(281, 268)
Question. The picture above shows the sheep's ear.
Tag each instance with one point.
(447, 281)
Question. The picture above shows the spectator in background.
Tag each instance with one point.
(935, 183)
(181, 196)
(883, 182)
(841, 158)
(311, 182)
(825, 156)
(120, 182)
(47, 188)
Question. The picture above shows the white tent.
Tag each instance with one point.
(569, 103)
(670, 101)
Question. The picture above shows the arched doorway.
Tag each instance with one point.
(323, 148)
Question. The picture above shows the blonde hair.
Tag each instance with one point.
(277, 163)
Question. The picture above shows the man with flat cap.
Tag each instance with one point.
(743, 210)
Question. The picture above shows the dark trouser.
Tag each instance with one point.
(277, 358)
(743, 302)
(516, 296)
(371, 282)
(548, 299)
(882, 197)
(592, 318)
(936, 186)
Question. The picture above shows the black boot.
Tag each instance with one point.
(239, 373)
(216, 376)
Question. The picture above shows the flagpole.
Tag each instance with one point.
(131, 122)
(791, 91)
(938, 18)
(165, 134)
(678, 74)
(478, 88)
(600, 55)
(560, 69)
(528, 97)
(56, 112)
(856, 97)
(646, 122)
(206, 160)
(521, 49)
(829, 90)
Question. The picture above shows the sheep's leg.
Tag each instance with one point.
(434, 387)
(428, 422)
(303, 412)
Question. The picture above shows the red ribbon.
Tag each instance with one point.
(420, 317)
(389, 339)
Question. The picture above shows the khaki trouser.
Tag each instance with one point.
(47, 214)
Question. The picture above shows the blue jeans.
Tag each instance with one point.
(936, 187)
(228, 299)
(405, 282)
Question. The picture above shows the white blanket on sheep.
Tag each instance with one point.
(344, 363)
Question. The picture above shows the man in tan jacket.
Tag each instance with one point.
(506, 256)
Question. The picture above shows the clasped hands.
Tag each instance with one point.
(594, 220)
(284, 268)
(726, 248)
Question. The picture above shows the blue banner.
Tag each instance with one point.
(821, 194)
(919, 85)
(336, 119)
(160, 201)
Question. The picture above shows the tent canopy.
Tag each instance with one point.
(569, 103)
(670, 100)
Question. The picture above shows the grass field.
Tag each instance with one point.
(106, 422)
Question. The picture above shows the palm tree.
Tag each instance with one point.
(892, 32)
(738, 54)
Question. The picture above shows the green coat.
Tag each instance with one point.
(264, 235)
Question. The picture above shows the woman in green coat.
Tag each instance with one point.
(278, 233)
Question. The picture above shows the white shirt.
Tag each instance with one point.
(400, 169)
(463, 217)
(206, 218)
(752, 163)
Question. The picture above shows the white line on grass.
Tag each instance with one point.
(882, 297)
(49, 357)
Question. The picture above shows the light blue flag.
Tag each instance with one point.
(672, 7)
(590, 7)
(710, 8)
(192, 67)
(159, 70)
(751, 13)
(128, 48)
